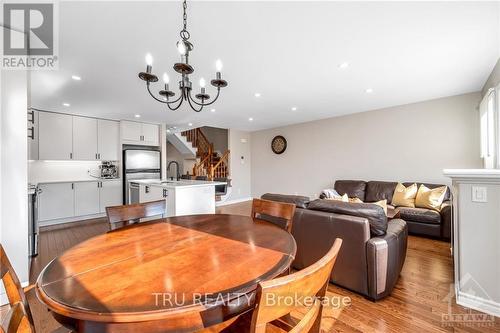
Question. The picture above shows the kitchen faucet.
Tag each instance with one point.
(177, 169)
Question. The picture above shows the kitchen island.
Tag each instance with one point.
(184, 197)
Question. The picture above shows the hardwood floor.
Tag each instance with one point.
(416, 305)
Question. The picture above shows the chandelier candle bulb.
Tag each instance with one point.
(218, 65)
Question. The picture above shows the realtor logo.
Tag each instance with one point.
(29, 36)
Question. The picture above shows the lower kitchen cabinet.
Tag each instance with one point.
(110, 194)
(55, 201)
(86, 198)
(58, 201)
(151, 193)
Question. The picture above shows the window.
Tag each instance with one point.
(490, 124)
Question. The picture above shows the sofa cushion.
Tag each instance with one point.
(447, 196)
(353, 188)
(375, 214)
(376, 191)
(299, 200)
(423, 215)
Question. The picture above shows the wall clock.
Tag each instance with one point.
(278, 145)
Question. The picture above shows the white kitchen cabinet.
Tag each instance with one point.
(110, 194)
(86, 198)
(84, 138)
(108, 140)
(33, 129)
(131, 131)
(151, 134)
(55, 136)
(55, 201)
(151, 193)
(140, 133)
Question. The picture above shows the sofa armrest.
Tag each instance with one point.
(446, 219)
(385, 258)
(315, 232)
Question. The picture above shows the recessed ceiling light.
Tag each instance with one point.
(76, 77)
(369, 90)
(257, 94)
(250, 119)
(168, 131)
(66, 104)
(190, 124)
(343, 65)
(294, 108)
(212, 110)
(137, 116)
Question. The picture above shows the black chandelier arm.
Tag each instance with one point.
(204, 104)
(178, 105)
(162, 101)
(193, 106)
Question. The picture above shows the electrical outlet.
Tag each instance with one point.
(479, 194)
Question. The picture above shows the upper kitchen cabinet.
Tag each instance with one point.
(140, 133)
(55, 136)
(84, 138)
(66, 137)
(108, 140)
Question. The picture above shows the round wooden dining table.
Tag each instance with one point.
(178, 274)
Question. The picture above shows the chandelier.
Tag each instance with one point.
(183, 68)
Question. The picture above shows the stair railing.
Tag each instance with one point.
(221, 168)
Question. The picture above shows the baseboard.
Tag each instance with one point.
(480, 304)
(70, 219)
(235, 201)
(3, 296)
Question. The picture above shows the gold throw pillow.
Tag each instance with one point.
(404, 196)
(383, 204)
(343, 198)
(431, 199)
(355, 200)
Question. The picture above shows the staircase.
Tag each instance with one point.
(209, 163)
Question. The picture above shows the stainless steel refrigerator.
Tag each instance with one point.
(139, 164)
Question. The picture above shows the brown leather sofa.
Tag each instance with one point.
(373, 249)
(421, 221)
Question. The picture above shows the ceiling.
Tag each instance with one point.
(289, 52)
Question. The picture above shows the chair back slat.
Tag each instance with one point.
(274, 296)
(119, 216)
(17, 320)
(13, 288)
(285, 211)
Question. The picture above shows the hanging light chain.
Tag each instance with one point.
(184, 33)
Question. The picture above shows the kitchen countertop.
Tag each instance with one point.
(176, 183)
(75, 181)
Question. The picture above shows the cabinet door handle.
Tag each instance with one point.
(32, 119)
(96, 156)
(72, 186)
(99, 155)
(146, 189)
(70, 156)
(31, 135)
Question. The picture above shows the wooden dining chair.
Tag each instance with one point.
(310, 282)
(18, 318)
(17, 315)
(274, 212)
(120, 216)
(275, 300)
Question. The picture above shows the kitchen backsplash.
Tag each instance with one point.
(48, 171)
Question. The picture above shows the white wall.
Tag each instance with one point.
(493, 79)
(240, 161)
(14, 171)
(186, 162)
(412, 142)
(217, 136)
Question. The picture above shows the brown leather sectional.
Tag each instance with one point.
(373, 249)
(420, 221)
